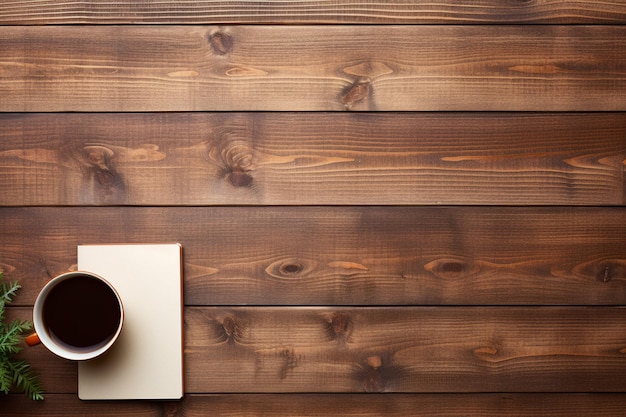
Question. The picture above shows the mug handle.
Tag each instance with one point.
(32, 339)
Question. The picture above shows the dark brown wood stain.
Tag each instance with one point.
(392, 208)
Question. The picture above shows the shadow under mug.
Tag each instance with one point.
(77, 315)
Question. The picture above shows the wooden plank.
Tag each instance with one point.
(391, 349)
(29, 12)
(65, 405)
(312, 158)
(286, 67)
(405, 349)
(307, 405)
(345, 255)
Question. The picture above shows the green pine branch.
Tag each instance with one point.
(7, 292)
(7, 289)
(10, 336)
(25, 380)
(15, 374)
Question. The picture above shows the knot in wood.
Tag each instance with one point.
(102, 183)
(605, 274)
(374, 362)
(356, 93)
(451, 268)
(290, 268)
(233, 154)
(486, 351)
(612, 270)
(230, 328)
(221, 42)
(340, 325)
(238, 177)
(289, 362)
(378, 372)
(98, 156)
(106, 177)
(372, 380)
(602, 270)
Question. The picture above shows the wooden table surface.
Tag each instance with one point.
(397, 208)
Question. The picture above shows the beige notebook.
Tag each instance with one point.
(146, 362)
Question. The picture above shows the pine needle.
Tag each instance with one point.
(15, 374)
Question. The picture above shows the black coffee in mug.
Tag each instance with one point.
(81, 312)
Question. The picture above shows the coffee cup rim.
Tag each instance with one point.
(63, 350)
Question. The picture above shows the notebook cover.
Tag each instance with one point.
(146, 362)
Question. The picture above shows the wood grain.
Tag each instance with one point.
(312, 158)
(382, 68)
(392, 349)
(301, 11)
(442, 349)
(345, 255)
(64, 405)
(318, 405)
(421, 199)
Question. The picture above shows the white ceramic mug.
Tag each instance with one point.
(77, 315)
